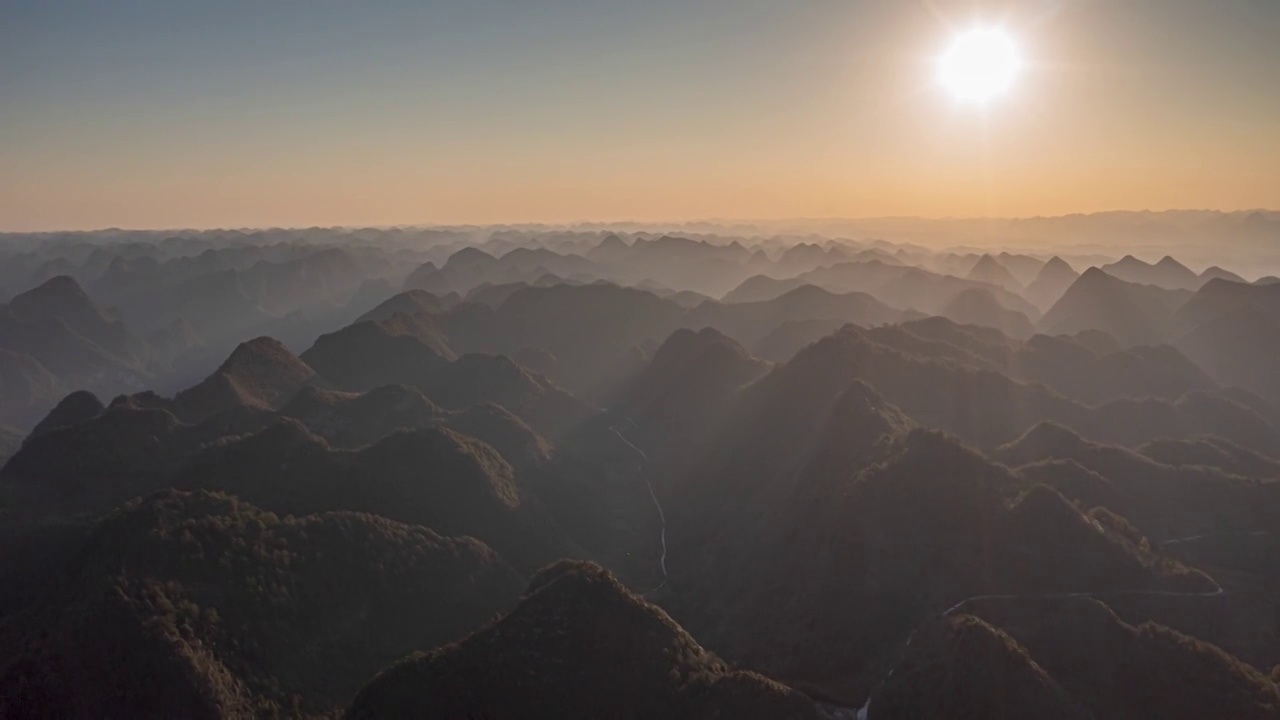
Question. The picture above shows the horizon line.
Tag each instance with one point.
(641, 223)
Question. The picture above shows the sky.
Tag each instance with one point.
(176, 113)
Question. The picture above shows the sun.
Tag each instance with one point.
(980, 64)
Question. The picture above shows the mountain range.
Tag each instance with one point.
(639, 472)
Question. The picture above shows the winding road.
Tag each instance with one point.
(1093, 594)
(1217, 592)
(662, 517)
(1206, 536)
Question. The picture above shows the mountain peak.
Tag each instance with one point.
(611, 249)
(987, 261)
(977, 306)
(1044, 439)
(1095, 276)
(1168, 273)
(73, 409)
(410, 302)
(1056, 265)
(575, 577)
(600, 652)
(1214, 272)
(253, 354)
(690, 376)
(989, 270)
(805, 292)
(962, 662)
(55, 297)
(259, 373)
(58, 285)
(469, 257)
(1053, 279)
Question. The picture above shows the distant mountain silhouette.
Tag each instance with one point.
(410, 302)
(469, 258)
(1239, 348)
(612, 249)
(978, 307)
(1024, 268)
(1163, 500)
(475, 379)
(55, 339)
(689, 379)
(591, 330)
(618, 657)
(760, 288)
(804, 257)
(217, 305)
(175, 342)
(1050, 284)
(688, 298)
(326, 275)
(225, 295)
(419, 278)
(399, 349)
(494, 294)
(463, 270)
(790, 337)
(62, 302)
(1068, 364)
(678, 262)
(1133, 314)
(989, 270)
(899, 286)
(749, 322)
(1221, 297)
(1216, 273)
(470, 268)
(1231, 331)
(920, 290)
(987, 407)
(28, 388)
(1168, 273)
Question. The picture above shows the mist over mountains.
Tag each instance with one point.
(887, 468)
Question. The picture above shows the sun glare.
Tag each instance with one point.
(980, 64)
